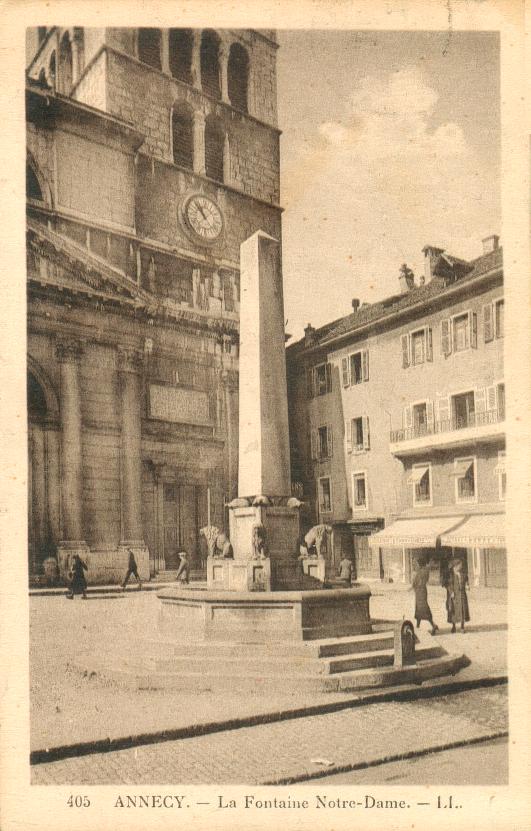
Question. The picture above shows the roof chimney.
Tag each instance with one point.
(355, 304)
(309, 335)
(490, 244)
(431, 255)
(406, 279)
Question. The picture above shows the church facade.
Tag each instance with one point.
(151, 156)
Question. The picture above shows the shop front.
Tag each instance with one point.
(483, 537)
(404, 542)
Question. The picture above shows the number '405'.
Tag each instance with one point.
(78, 801)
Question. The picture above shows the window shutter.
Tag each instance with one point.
(309, 382)
(365, 365)
(491, 398)
(429, 415)
(473, 321)
(366, 437)
(348, 436)
(329, 377)
(408, 418)
(405, 351)
(446, 341)
(480, 400)
(330, 440)
(429, 343)
(344, 372)
(443, 407)
(314, 439)
(488, 323)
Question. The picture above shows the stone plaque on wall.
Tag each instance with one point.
(178, 405)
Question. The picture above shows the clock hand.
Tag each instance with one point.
(203, 214)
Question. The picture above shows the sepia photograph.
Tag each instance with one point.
(266, 407)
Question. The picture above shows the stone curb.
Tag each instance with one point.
(384, 760)
(409, 693)
(96, 590)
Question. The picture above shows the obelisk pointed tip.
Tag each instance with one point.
(260, 235)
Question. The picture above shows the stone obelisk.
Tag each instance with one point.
(264, 464)
(264, 520)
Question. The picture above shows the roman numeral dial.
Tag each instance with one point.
(203, 217)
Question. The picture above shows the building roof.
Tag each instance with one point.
(437, 287)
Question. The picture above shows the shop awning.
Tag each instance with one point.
(414, 533)
(462, 467)
(417, 473)
(478, 531)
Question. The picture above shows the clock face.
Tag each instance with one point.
(204, 217)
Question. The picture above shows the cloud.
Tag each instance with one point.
(390, 117)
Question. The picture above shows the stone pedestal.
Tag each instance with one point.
(239, 575)
(314, 567)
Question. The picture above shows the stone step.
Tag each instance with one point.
(329, 647)
(383, 657)
(244, 682)
(354, 643)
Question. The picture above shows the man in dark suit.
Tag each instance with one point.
(132, 568)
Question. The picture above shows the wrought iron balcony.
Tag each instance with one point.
(448, 432)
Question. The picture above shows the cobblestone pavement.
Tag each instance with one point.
(274, 753)
(59, 695)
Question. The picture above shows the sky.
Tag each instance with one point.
(390, 142)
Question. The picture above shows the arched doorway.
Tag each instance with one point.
(43, 476)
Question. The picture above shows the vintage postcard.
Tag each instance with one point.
(265, 409)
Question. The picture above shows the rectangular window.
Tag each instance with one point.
(500, 390)
(324, 442)
(465, 479)
(463, 410)
(355, 368)
(499, 318)
(420, 419)
(417, 347)
(359, 490)
(325, 495)
(319, 380)
(502, 475)
(420, 479)
(461, 333)
(359, 434)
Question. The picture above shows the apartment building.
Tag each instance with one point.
(397, 423)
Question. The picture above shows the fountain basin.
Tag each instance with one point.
(263, 617)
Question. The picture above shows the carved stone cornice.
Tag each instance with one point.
(130, 359)
(68, 350)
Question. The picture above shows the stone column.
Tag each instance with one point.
(68, 355)
(227, 172)
(38, 494)
(224, 72)
(196, 59)
(165, 51)
(199, 143)
(130, 365)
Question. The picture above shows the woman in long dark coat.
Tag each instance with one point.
(457, 600)
(79, 583)
(420, 587)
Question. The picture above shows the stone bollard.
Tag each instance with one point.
(404, 643)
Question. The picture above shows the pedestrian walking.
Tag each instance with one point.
(183, 572)
(78, 583)
(345, 570)
(420, 587)
(132, 568)
(456, 596)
